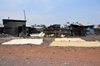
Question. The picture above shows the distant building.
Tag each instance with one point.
(97, 30)
(54, 27)
(14, 27)
(80, 29)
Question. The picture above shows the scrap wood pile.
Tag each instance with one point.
(55, 31)
(5, 35)
(97, 31)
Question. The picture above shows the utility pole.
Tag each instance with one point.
(24, 14)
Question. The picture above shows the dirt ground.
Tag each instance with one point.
(44, 55)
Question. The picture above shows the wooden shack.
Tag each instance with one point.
(80, 29)
(97, 30)
(14, 27)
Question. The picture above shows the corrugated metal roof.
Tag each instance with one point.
(14, 20)
(83, 24)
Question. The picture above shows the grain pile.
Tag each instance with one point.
(74, 42)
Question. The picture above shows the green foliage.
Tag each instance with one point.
(35, 25)
(66, 25)
(99, 25)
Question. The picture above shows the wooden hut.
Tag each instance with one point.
(14, 27)
(81, 30)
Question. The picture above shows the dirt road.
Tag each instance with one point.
(30, 55)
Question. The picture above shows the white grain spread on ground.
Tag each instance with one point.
(34, 35)
(24, 41)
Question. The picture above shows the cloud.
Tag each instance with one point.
(12, 9)
(12, 15)
(11, 5)
(42, 19)
(31, 18)
(41, 11)
(98, 13)
(46, 4)
(14, 2)
(26, 4)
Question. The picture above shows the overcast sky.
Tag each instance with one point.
(51, 11)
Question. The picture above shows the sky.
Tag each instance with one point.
(51, 11)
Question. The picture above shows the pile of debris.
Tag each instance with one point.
(5, 36)
(97, 30)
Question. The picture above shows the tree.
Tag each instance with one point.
(32, 26)
(67, 24)
(43, 25)
(35, 25)
(99, 25)
(77, 22)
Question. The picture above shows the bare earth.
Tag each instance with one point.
(31, 55)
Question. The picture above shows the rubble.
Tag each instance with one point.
(5, 36)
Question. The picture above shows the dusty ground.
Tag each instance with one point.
(31, 55)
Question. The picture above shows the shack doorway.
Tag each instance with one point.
(20, 30)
